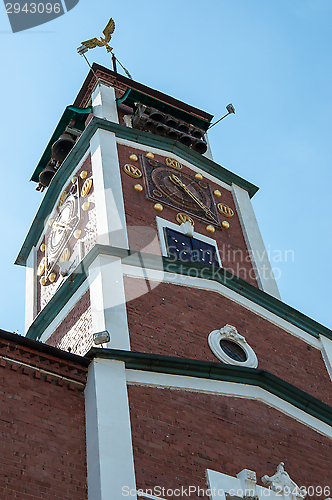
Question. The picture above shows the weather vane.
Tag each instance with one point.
(102, 42)
(108, 31)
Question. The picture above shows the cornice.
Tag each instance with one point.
(216, 371)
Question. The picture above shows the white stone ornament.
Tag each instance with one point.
(248, 482)
(229, 332)
(187, 228)
(283, 485)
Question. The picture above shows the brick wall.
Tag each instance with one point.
(176, 320)
(42, 423)
(177, 435)
(141, 214)
(75, 331)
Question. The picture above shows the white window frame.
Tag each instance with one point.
(162, 224)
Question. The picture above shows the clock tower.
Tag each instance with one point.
(206, 380)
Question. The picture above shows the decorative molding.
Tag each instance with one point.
(225, 487)
(230, 333)
(283, 485)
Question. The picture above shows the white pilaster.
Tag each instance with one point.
(110, 460)
(30, 290)
(254, 241)
(111, 222)
(108, 303)
(327, 353)
(104, 103)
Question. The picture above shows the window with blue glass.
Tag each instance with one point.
(188, 249)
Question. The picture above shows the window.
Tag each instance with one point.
(195, 247)
(232, 348)
(190, 249)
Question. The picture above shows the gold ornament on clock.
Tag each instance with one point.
(132, 171)
(171, 162)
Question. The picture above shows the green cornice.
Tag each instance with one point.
(83, 144)
(257, 296)
(216, 371)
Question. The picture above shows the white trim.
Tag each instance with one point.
(104, 103)
(232, 389)
(167, 154)
(228, 333)
(163, 223)
(254, 242)
(108, 301)
(30, 289)
(64, 311)
(220, 483)
(210, 285)
(327, 353)
(110, 212)
(110, 461)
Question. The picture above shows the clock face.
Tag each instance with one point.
(179, 190)
(62, 228)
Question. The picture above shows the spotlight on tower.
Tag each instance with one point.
(101, 337)
(231, 110)
(82, 49)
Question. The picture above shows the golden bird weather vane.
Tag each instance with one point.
(94, 42)
(102, 42)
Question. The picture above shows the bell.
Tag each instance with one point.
(183, 127)
(197, 133)
(171, 122)
(62, 147)
(46, 175)
(173, 134)
(199, 146)
(150, 125)
(160, 129)
(157, 116)
(185, 139)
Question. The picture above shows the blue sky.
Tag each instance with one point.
(271, 59)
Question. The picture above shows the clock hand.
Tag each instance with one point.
(179, 183)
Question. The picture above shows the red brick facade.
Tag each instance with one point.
(176, 320)
(42, 424)
(177, 435)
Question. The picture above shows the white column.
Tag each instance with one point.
(327, 353)
(254, 241)
(108, 303)
(30, 290)
(110, 461)
(111, 222)
(104, 103)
